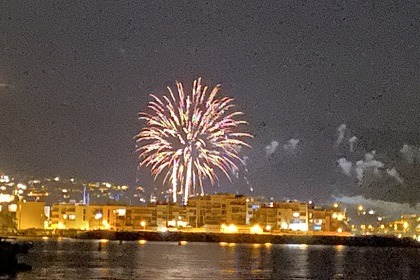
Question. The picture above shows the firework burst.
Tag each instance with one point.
(190, 136)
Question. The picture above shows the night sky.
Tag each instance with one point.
(74, 75)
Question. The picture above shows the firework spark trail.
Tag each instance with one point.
(189, 136)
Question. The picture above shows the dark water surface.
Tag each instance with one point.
(76, 259)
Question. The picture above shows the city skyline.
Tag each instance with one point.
(329, 90)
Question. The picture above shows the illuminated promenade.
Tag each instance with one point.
(264, 239)
(211, 214)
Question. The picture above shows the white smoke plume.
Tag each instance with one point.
(352, 142)
(359, 170)
(411, 153)
(386, 208)
(394, 173)
(369, 163)
(345, 166)
(370, 156)
(291, 145)
(341, 131)
(270, 149)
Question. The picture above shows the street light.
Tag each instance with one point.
(143, 224)
(256, 229)
(405, 226)
(98, 216)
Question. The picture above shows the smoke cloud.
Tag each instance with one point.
(369, 163)
(352, 142)
(270, 149)
(394, 173)
(385, 208)
(291, 145)
(345, 166)
(410, 153)
(341, 131)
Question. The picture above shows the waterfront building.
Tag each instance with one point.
(69, 216)
(30, 215)
(327, 219)
(284, 215)
(170, 215)
(227, 213)
(239, 210)
(140, 217)
(407, 226)
(218, 209)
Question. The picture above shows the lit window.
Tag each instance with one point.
(121, 212)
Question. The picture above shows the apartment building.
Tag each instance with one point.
(284, 215)
(211, 211)
(218, 209)
(30, 215)
(327, 219)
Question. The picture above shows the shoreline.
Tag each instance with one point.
(360, 241)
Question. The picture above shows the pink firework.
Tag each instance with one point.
(190, 136)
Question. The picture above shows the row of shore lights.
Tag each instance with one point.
(183, 242)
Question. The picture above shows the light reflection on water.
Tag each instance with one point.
(78, 259)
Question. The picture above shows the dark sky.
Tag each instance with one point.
(74, 75)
